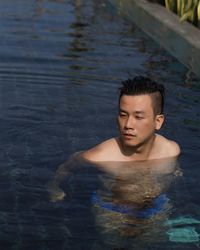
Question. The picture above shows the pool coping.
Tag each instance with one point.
(166, 29)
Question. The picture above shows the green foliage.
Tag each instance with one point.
(188, 10)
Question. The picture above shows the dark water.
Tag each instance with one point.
(61, 63)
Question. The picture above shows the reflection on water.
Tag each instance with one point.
(60, 69)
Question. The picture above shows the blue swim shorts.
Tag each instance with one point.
(157, 206)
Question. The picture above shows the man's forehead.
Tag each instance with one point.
(140, 100)
(148, 95)
(136, 104)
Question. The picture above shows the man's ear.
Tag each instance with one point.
(159, 121)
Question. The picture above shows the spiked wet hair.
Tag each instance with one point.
(141, 85)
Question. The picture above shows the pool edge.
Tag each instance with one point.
(181, 39)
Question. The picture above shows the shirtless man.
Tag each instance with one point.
(141, 162)
(141, 105)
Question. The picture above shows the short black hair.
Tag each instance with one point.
(141, 85)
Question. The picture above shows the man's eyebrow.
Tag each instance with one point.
(139, 112)
(122, 110)
(136, 112)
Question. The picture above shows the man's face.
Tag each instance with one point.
(137, 121)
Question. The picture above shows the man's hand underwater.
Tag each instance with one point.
(56, 193)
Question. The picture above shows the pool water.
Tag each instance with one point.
(61, 64)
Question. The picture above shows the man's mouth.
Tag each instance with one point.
(128, 135)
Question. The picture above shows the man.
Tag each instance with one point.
(140, 163)
(141, 105)
(136, 168)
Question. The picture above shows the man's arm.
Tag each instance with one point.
(64, 170)
(56, 193)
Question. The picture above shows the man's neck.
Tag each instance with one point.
(140, 152)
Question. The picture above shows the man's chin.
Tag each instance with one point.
(129, 143)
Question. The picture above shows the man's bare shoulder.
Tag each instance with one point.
(101, 152)
(167, 148)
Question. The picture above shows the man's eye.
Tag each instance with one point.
(122, 115)
(139, 117)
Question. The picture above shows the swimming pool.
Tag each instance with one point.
(61, 65)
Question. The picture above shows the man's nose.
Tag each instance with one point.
(130, 124)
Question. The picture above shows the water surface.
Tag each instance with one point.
(60, 69)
